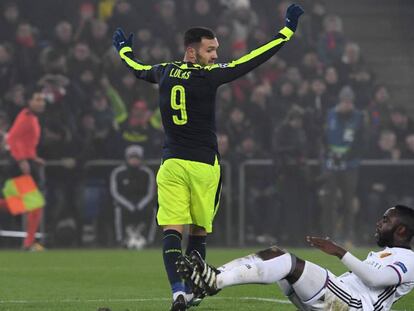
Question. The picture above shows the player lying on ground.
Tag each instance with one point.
(373, 284)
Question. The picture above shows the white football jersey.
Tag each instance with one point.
(381, 298)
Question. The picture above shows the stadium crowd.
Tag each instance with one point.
(286, 110)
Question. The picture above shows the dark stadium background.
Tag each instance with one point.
(273, 188)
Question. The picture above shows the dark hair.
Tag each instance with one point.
(196, 34)
(406, 217)
(32, 89)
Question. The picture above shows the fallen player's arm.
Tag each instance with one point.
(373, 277)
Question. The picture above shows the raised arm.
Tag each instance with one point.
(123, 45)
(369, 275)
(227, 72)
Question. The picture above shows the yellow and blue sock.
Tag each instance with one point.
(171, 252)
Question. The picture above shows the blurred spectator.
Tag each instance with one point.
(380, 183)
(53, 62)
(138, 130)
(401, 124)
(27, 53)
(286, 98)
(317, 13)
(223, 146)
(258, 109)
(4, 125)
(406, 173)
(14, 101)
(353, 71)
(9, 20)
(82, 62)
(86, 13)
(58, 145)
(8, 72)
(332, 41)
(125, 16)
(201, 13)
(344, 147)
(317, 102)
(379, 109)
(289, 149)
(165, 22)
(63, 38)
(132, 189)
(99, 38)
(237, 126)
(225, 100)
(260, 206)
(311, 67)
(333, 85)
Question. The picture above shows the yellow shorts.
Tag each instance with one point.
(188, 193)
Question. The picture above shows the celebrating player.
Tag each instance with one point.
(373, 284)
(189, 179)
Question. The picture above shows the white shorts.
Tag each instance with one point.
(318, 289)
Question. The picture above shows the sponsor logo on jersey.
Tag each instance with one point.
(223, 65)
(401, 265)
(383, 255)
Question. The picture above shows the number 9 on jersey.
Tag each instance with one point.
(178, 103)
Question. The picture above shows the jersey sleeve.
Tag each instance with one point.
(150, 73)
(404, 267)
(370, 276)
(227, 72)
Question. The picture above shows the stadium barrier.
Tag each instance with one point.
(243, 181)
(153, 164)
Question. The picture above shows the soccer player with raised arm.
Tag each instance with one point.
(189, 179)
(370, 285)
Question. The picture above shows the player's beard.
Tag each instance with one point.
(386, 238)
(199, 60)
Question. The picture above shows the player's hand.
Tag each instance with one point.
(293, 12)
(119, 40)
(326, 246)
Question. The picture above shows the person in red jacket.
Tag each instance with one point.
(22, 140)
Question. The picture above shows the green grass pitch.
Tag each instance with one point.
(71, 280)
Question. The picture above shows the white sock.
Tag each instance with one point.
(250, 259)
(260, 271)
(176, 294)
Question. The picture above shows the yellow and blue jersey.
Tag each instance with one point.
(188, 95)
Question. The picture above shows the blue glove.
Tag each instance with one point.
(120, 41)
(293, 12)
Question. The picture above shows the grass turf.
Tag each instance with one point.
(71, 280)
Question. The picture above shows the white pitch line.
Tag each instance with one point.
(280, 301)
(272, 300)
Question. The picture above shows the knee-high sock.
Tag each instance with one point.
(198, 243)
(249, 259)
(258, 271)
(33, 222)
(171, 252)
